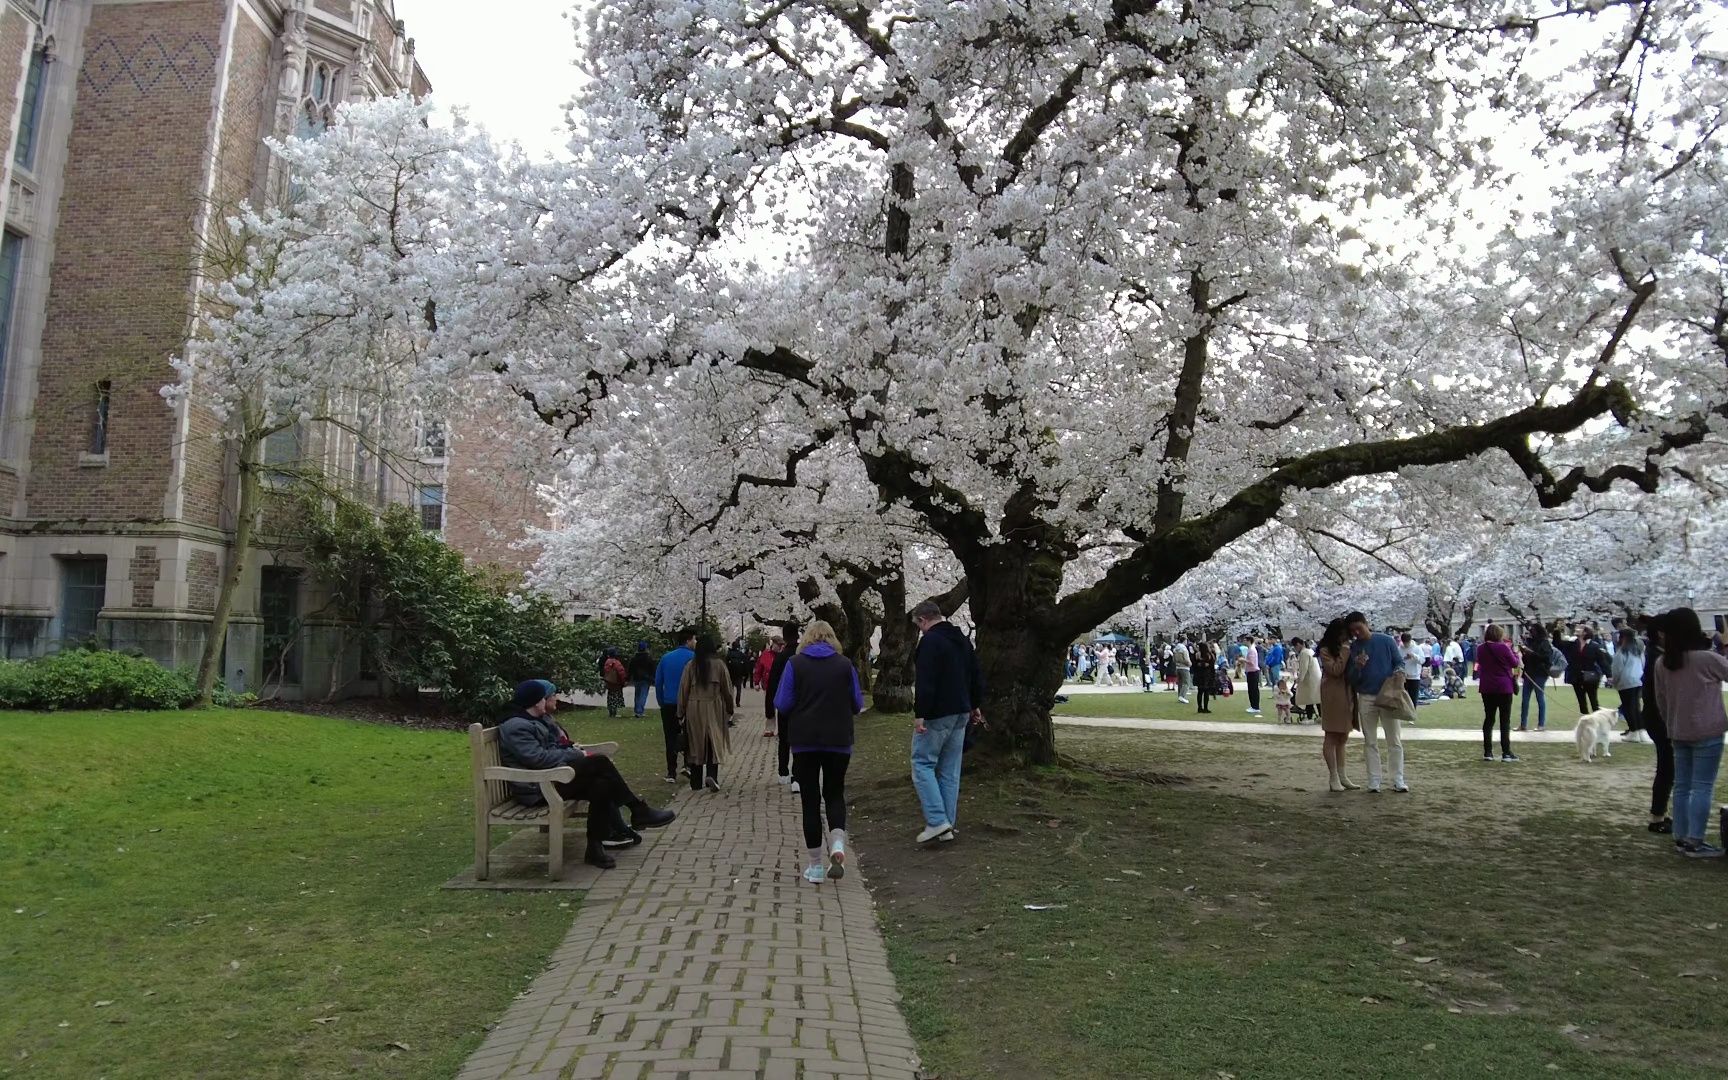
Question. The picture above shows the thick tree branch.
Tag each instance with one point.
(1157, 565)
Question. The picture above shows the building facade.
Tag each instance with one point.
(132, 123)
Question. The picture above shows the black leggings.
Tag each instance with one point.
(1253, 689)
(1203, 698)
(1632, 707)
(1664, 783)
(1587, 701)
(821, 776)
(1491, 704)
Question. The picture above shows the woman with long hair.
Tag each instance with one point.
(1497, 669)
(1337, 701)
(818, 697)
(1205, 675)
(1626, 676)
(1689, 691)
(1535, 659)
(1662, 785)
(705, 705)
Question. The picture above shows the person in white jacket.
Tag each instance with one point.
(1626, 676)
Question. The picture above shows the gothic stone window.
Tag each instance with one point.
(318, 103)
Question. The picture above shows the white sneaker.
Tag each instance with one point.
(1253, 712)
(815, 875)
(784, 780)
(934, 831)
(794, 787)
(953, 833)
(837, 860)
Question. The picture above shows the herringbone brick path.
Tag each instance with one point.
(710, 956)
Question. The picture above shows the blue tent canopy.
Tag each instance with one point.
(1113, 638)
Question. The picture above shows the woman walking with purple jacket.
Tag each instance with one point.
(1498, 668)
(817, 698)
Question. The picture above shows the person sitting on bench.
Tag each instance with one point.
(530, 739)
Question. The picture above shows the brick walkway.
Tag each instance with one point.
(708, 955)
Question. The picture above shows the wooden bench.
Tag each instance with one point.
(494, 805)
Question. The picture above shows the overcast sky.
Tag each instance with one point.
(507, 63)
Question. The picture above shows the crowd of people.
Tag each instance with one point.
(811, 694)
(1354, 678)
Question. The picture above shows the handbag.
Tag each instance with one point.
(1394, 699)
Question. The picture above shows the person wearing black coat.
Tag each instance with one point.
(1654, 726)
(1586, 663)
(781, 659)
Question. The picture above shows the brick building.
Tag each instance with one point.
(128, 121)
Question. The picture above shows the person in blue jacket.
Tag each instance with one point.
(666, 679)
(1374, 658)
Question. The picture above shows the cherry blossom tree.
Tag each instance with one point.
(1058, 278)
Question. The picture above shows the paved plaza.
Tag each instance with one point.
(708, 955)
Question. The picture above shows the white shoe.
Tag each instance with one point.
(934, 831)
(784, 780)
(837, 860)
(953, 833)
(794, 787)
(1253, 712)
(815, 875)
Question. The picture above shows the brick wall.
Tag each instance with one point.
(490, 490)
(144, 570)
(16, 37)
(203, 575)
(244, 111)
(119, 299)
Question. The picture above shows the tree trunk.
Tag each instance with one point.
(244, 521)
(1013, 598)
(893, 689)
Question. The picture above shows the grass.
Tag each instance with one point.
(1464, 713)
(253, 894)
(1503, 920)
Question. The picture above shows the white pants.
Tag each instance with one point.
(1370, 715)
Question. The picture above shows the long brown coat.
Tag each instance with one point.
(704, 709)
(1337, 700)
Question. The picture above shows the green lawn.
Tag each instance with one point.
(253, 894)
(1465, 713)
(1510, 920)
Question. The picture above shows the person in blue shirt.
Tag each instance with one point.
(666, 679)
(1275, 663)
(1374, 658)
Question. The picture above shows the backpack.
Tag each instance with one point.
(613, 674)
(1556, 662)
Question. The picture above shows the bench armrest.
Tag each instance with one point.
(603, 749)
(529, 776)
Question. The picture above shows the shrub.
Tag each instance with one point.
(93, 679)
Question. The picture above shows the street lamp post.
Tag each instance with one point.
(704, 574)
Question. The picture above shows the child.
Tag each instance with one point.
(1282, 699)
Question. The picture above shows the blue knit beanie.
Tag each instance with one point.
(533, 692)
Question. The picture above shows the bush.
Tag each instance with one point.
(430, 620)
(92, 679)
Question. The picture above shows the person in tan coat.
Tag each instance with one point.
(1337, 701)
(704, 707)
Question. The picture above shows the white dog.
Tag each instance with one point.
(1593, 732)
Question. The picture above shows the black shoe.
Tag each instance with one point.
(1508, 756)
(1665, 826)
(625, 839)
(596, 856)
(643, 816)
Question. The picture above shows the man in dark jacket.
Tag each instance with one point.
(1586, 662)
(530, 739)
(948, 694)
(641, 677)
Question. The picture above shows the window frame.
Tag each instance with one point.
(69, 565)
(425, 500)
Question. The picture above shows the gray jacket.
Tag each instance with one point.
(534, 742)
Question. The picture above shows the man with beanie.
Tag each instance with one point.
(947, 696)
(666, 679)
(530, 739)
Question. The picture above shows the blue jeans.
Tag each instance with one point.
(1541, 706)
(1695, 765)
(936, 767)
(641, 689)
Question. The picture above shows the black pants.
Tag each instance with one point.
(1253, 678)
(1586, 696)
(1413, 687)
(739, 678)
(598, 781)
(669, 727)
(785, 748)
(697, 772)
(1664, 783)
(821, 776)
(1632, 707)
(1204, 699)
(1491, 704)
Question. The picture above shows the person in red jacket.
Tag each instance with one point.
(765, 664)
